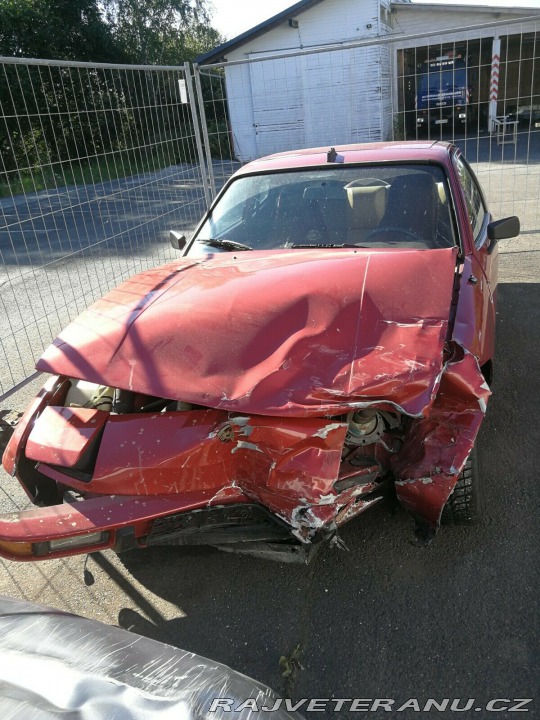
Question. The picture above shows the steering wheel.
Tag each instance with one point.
(400, 231)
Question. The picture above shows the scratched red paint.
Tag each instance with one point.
(62, 434)
(438, 445)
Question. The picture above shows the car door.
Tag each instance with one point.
(481, 264)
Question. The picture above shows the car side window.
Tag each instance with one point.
(473, 197)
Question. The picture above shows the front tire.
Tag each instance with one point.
(464, 506)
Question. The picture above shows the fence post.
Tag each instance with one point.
(197, 130)
(204, 124)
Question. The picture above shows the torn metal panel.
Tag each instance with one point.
(436, 446)
(190, 460)
(50, 393)
(62, 435)
(180, 452)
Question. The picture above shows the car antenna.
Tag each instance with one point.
(332, 156)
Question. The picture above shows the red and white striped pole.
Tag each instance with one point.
(494, 82)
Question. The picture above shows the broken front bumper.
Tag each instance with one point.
(209, 476)
(189, 477)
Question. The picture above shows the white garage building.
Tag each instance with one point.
(326, 72)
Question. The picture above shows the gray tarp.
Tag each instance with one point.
(54, 665)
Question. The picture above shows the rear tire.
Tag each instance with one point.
(464, 506)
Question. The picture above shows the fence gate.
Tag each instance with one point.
(97, 164)
(378, 89)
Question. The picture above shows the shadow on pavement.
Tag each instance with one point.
(387, 619)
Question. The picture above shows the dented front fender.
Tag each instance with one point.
(437, 446)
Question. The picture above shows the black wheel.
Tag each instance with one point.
(464, 506)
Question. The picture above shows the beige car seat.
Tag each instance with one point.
(366, 207)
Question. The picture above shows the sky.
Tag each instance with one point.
(233, 17)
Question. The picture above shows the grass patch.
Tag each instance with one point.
(113, 165)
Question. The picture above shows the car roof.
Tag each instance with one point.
(437, 151)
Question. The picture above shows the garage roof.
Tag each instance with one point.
(290, 13)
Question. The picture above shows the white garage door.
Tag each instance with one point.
(278, 106)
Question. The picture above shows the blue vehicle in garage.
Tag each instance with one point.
(443, 95)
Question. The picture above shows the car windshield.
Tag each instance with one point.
(342, 205)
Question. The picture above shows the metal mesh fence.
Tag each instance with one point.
(284, 102)
(97, 164)
(477, 87)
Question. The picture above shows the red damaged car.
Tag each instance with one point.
(327, 334)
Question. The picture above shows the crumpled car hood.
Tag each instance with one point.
(294, 332)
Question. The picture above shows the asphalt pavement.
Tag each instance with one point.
(62, 249)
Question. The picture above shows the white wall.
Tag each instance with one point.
(331, 21)
(240, 105)
(310, 100)
(336, 97)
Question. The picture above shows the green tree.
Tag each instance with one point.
(56, 29)
(39, 120)
(161, 32)
(51, 117)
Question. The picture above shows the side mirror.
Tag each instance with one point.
(178, 241)
(501, 230)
